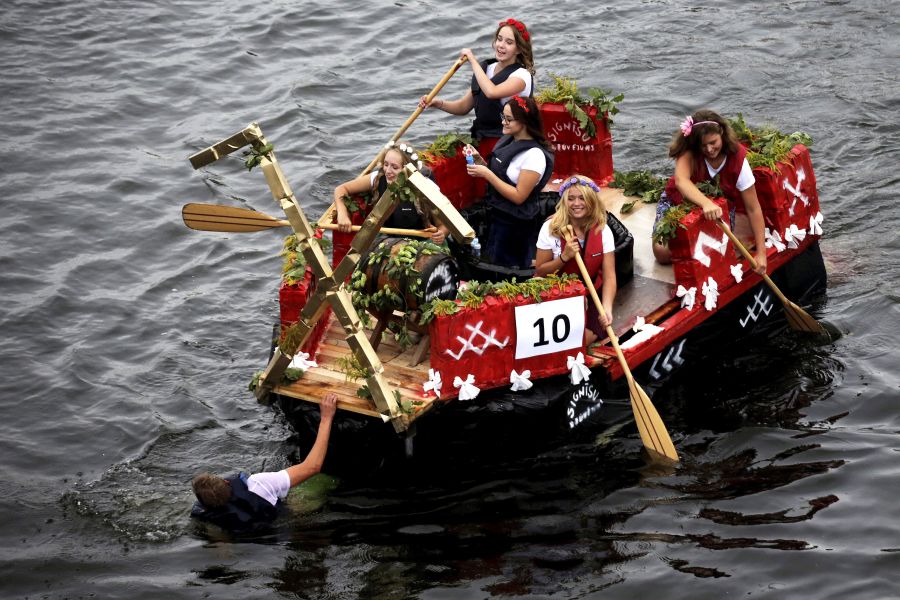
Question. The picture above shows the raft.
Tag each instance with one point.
(522, 354)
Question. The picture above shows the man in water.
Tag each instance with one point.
(239, 501)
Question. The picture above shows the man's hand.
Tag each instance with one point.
(328, 407)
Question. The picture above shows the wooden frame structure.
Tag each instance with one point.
(330, 289)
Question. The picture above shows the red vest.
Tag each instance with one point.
(592, 255)
(728, 176)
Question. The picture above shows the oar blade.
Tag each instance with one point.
(800, 320)
(651, 428)
(211, 217)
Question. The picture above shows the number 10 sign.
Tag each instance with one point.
(548, 327)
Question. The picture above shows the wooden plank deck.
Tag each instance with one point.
(328, 376)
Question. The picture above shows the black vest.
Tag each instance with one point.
(243, 510)
(505, 150)
(487, 111)
(405, 216)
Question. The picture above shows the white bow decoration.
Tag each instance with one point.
(737, 271)
(579, 372)
(434, 382)
(815, 224)
(466, 387)
(688, 297)
(643, 332)
(301, 361)
(520, 381)
(793, 235)
(773, 238)
(711, 293)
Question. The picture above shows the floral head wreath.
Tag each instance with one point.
(520, 27)
(410, 152)
(688, 125)
(576, 181)
(522, 104)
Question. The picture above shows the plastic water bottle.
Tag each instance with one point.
(476, 248)
(470, 159)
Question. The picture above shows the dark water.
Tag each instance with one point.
(128, 340)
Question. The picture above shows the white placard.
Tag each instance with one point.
(548, 327)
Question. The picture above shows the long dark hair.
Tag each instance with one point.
(714, 124)
(526, 111)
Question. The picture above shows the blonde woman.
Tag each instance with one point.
(407, 215)
(580, 206)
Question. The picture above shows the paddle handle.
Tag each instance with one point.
(746, 253)
(419, 109)
(589, 284)
(330, 212)
(388, 230)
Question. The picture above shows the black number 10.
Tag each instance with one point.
(559, 322)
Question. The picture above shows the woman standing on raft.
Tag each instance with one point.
(494, 83)
(581, 207)
(704, 147)
(519, 167)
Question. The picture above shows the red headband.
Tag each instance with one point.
(522, 104)
(519, 25)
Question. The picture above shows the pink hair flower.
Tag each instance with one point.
(687, 125)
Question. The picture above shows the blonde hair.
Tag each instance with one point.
(596, 217)
(408, 155)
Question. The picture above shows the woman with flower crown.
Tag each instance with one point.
(406, 215)
(520, 166)
(581, 207)
(494, 82)
(705, 147)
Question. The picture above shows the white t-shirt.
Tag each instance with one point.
(744, 180)
(546, 241)
(522, 74)
(270, 486)
(530, 160)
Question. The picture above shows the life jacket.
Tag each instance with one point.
(242, 511)
(728, 176)
(505, 150)
(487, 110)
(591, 255)
(405, 215)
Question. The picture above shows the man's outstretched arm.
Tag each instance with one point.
(313, 462)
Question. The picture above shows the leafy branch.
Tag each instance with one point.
(565, 91)
(667, 227)
(767, 146)
(256, 154)
(643, 184)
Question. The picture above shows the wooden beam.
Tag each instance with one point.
(460, 229)
(248, 135)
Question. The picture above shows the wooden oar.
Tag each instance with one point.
(215, 217)
(650, 426)
(797, 318)
(434, 92)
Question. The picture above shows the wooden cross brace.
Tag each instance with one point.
(330, 289)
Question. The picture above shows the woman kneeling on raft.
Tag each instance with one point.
(407, 215)
(520, 166)
(581, 207)
(704, 147)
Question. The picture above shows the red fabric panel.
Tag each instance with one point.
(776, 191)
(697, 240)
(488, 363)
(574, 150)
